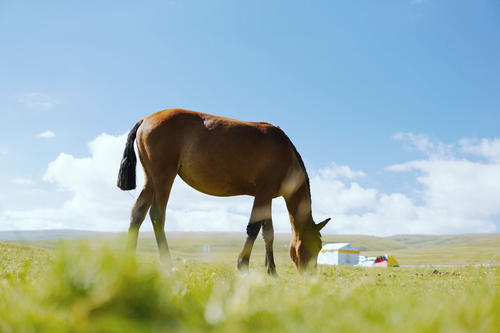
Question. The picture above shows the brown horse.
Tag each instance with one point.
(223, 157)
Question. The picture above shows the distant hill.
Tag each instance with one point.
(362, 242)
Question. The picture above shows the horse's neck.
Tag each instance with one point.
(299, 207)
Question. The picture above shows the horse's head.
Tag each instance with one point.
(305, 246)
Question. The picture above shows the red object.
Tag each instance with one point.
(381, 261)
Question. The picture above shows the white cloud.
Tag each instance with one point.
(340, 171)
(37, 101)
(46, 135)
(434, 149)
(3, 151)
(457, 196)
(22, 181)
(489, 149)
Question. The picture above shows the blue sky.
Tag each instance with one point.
(362, 84)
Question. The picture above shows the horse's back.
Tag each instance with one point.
(216, 155)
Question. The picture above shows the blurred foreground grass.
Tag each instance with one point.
(95, 287)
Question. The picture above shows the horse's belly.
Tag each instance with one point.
(214, 181)
(226, 162)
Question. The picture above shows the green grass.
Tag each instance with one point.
(409, 249)
(97, 287)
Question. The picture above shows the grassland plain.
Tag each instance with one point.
(94, 286)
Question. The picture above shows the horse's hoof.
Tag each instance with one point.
(242, 265)
(243, 268)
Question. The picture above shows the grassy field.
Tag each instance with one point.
(94, 286)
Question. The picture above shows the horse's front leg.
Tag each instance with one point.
(261, 211)
(268, 234)
(253, 229)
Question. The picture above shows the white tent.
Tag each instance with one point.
(338, 254)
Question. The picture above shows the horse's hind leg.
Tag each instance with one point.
(268, 234)
(157, 214)
(138, 214)
(261, 211)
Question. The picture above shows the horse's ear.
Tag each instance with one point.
(320, 225)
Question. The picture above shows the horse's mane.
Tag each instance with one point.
(301, 162)
(302, 165)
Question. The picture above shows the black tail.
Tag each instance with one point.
(126, 175)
